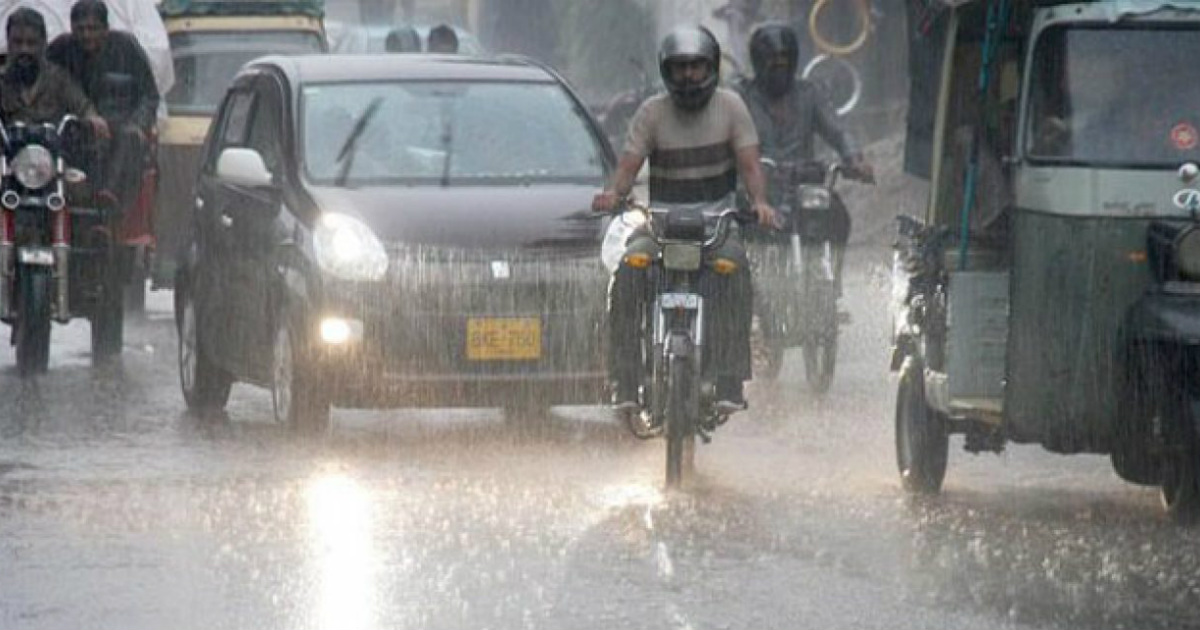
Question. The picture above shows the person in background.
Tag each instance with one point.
(114, 72)
(442, 40)
(403, 39)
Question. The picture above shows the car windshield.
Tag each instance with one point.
(205, 63)
(446, 132)
(1108, 96)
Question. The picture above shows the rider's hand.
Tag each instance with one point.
(767, 216)
(100, 127)
(606, 201)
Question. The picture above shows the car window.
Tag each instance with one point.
(451, 132)
(237, 120)
(1087, 99)
(265, 134)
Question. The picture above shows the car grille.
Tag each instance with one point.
(439, 291)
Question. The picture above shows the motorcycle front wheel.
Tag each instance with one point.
(33, 320)
(682, 406)
(821, 342)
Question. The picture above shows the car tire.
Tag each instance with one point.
(205, 386)
(298, 398)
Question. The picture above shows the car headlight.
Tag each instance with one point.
(814, 198)
(34, 166)
(348, 249)
(1187, 255)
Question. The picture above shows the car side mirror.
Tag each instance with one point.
(244, 167)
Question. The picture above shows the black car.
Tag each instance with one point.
(375, 231)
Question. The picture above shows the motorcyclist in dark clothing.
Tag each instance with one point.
(114, 72)
(698, 138)
(788, 112)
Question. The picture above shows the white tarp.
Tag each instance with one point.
(139, 17)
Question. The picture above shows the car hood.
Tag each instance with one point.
(555, 217)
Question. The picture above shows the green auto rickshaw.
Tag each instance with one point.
(1051, 294)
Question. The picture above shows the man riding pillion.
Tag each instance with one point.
(788, 112)
(698, 138)
(113, 71)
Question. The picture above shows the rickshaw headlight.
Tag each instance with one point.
(34, 166)
(814, 198)
(1187, 255)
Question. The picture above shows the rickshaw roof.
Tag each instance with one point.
(179, 8)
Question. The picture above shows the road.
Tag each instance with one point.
(119, 510)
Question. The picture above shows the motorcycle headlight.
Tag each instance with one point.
(814, 198)
(1187, 255)
(34, 166)
(349, 250)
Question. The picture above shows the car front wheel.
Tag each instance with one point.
(298, 398)
(205, 385)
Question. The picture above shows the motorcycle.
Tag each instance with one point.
(678, 398)
(58, 260)
(798, 268)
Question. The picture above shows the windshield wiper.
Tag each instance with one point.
(346, 154)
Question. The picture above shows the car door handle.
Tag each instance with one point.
(226, 220)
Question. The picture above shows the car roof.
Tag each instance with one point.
(303, 69)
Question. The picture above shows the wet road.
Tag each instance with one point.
(118, 510)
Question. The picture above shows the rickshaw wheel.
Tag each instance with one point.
(922, 441)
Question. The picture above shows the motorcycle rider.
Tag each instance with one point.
(697, 138)
(788, 113)
(32, 90)
(113, 71)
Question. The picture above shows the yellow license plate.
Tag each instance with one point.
(504, 339)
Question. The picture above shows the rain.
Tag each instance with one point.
(361, 380)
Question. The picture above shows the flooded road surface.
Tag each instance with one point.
(118, 510)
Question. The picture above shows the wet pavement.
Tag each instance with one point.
(119, 510)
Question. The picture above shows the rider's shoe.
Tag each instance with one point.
(625, 397)
(730, 399)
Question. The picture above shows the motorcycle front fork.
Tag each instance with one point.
(60, 244)
(822, 257)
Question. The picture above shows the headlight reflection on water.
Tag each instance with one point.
(339, 518)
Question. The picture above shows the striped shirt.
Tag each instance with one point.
(693, 154)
